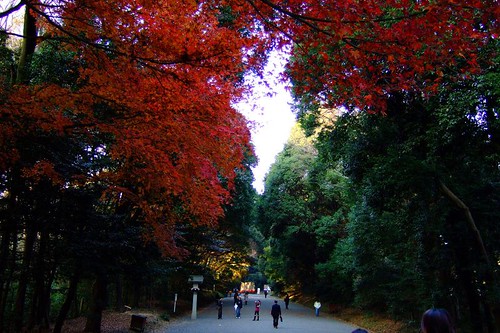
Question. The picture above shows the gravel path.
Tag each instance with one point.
(297, 318)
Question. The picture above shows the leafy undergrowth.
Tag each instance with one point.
(119, 322)
(374, 323)
(157, 320)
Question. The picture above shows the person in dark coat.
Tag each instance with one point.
(276, 313)
(219, 308)
(239, 305)
(287, 301)
(235, 297)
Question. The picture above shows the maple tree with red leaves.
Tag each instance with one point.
(159, 78)
(356, 53)
(142, 103)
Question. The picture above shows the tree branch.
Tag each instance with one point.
(12, 9)
(460, 204)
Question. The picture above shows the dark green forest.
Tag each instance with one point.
(395, 213)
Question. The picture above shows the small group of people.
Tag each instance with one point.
(238, 304)
(433, 320)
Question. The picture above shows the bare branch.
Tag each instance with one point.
(460, 204)
(12, 9)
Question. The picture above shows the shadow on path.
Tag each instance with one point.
(297, 318)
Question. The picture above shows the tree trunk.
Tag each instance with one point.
(136, 295)
(460, 204)
(5, 258)
(9, 243)
(8, 278)
(119, 293)
(490, 278)
(24, 278)
(38, 302)
(97, 305)
(70, 297)
(27, 48)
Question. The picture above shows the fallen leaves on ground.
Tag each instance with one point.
(118, 322)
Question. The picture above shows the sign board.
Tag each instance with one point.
(196, 279)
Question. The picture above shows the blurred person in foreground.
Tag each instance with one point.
(436, 321)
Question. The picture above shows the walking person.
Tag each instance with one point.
(276, 313)
(246, 297)
(257, 310)
(238, 306)
(220, 303)
(287, 301)
(317, 305)
(236, 295)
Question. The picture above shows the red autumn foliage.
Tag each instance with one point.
(164, 75)
(159, 79)
(355, 53)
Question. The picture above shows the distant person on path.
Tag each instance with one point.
(238, 306)
(257, 310)
(436, 321)
(220, 303)
(287, 300)
(317, 305)
(276, 313)
(246, 297)
(265, 293)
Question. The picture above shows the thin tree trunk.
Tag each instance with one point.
(27, 48)
(8, 282)
(42, 309)
(24, 278)
(5, 257)
(119, 293)
(470, 220)
(70, 297)
(490, 277)
(9, 243)
(38, 298)
(97, 305)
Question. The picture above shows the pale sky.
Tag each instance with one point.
(270, 113)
